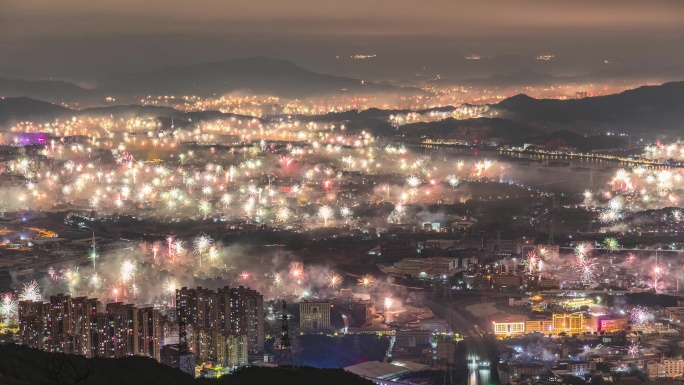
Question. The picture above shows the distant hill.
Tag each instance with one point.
(20, 365)
(649, 109)
(48, 90)
(257, 75)
(14, 110)
(653, 107)
(27, 109)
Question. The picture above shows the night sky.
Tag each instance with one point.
(85, 38)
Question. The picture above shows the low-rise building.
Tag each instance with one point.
(425, 268)
(674, 314)
(569, 323)
(507, 280)
(544, 326)
(412, 338)
(435, 325)
(580, 368)
(667, 367)
(609, 324)
(510, 371)
(509, 326)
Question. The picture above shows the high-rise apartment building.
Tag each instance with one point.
(32, 325)
(149, 332)
(122, 329)
(235, 311)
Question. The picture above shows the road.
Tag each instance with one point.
(476, 350)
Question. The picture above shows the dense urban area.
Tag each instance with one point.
(504, 219)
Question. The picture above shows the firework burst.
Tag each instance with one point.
(532, 262)
(72, 277)
(640, 316)
(581, 250)
(345, 212)
(296, 270)
(334, 280)
(30, 292)
(213, 253)
(95, 281)
(8, 307)
(388, 302)
(657, 272)
(202, 243)
(630, 258)
(588, 269)
(128, 268)
(367, 281)
(634, 349)
(611, 244)
(135, 290)
(283, 214)
(325, 212)
(277, 280)
(171, 285)
(154, 248)
(585, 264)
(413, 181)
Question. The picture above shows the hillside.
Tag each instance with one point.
(256, 75)
(48, 90)
(24, 366)
(653, 107)
(27, 109)
(14, 110)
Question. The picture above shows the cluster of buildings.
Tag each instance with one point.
(565, 323)
(86, 327)
(223, 327)
(555, 369)
(424, 268)
(602, 337)
(665, 368)
(440, 259)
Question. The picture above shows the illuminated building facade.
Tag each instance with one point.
(508, 327)
(81, 326)
(235, 311)
(314, 316)
(569, 323)
(559, 323)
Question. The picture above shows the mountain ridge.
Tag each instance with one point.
(52, 90)
(649, 107)
(256, 74)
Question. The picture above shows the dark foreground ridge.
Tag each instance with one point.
(20, 365)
